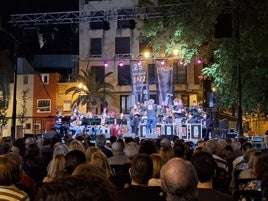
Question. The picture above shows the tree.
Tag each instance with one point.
(23, 114)
(190, 27)
(92, 91)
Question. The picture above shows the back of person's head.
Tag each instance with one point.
(78, 188)
(100, 140)
(179, 180)
(212, 146)
(264, 188)
(147, 147)
(247, 145)
(86, 170)
(99, 159)
(205, 166)
(131, 150)
(73, 159)
(236, 145)
(60, 148)
(16, 157)
(141, 169)
(90, 151)
(57, 165)
(179, 149)
(32, 150)
(112, 139)
(117, 148)
(76, 144)
(9, 171)
(261, 166)
(158, 162)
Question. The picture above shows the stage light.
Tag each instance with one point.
(121, 64)
(162, 62)
(199, 61)
(176, 52)
(105, 64)
(139, 63)
(146, 54)
(181, 62)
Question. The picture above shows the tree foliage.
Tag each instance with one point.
(190, 27)
(92, 90)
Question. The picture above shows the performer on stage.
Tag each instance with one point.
(207, 125)
(168, 116)
(178, 111)
(151, 109)
(134, 116)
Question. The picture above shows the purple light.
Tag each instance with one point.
(106, 64)
(121, 64)
(162, 62)
(181, 62)
(199, 61)
(139, 63)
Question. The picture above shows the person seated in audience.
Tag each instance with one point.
(179, 180)
(86, 170)
(166, 150)
(264, 188)
(10, 174)
(131, 150)
(89, 152)
(245, 146)
(148, 147)
(26, 183)
(158, 162)
(56, 168)
(78, 187)
(73, 159)
(179, 149)
(141, 171)
(99, 159)
(100, 143)
(118, 157)
(206, 166)
(260, 172)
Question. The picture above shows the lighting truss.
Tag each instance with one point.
(76, 17)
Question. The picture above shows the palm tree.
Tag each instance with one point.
(91, 90)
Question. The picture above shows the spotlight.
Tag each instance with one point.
(121, 63)
(199, 61)
(139, 63)
(105, 64)
(162, 62)
(181, 62)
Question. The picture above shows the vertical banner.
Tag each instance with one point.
(140, 86)
(165, 84)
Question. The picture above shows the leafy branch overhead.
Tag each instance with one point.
(190, 27)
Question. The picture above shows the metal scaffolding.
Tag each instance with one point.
(75, 17)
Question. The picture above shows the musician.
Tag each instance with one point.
(104, 115)
(151, 109)
(168, 116)
(178, 111)
(161, 109)
(190, 118)
(121, 125)
(206, 125)
(134, 116)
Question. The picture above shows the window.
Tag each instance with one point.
(27, 126)
(122, 23)
(152, 74)
(180, 74)
(197, 73)
(96, 23)
(45, 78)
(43, 105)
(122, 45)
(99, 72)
(67, 105)
(96, 47)
(37, 126)
(124, 75)
(25, 79)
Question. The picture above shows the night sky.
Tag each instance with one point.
(64, 40)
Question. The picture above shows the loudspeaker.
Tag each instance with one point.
(224, 26)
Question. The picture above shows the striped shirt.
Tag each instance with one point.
(12, 194)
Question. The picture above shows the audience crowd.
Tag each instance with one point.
(127, 169)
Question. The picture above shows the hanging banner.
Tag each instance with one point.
(140, 86)
(165, 83)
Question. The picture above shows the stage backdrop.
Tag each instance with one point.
(165, 84)
(140, 86)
